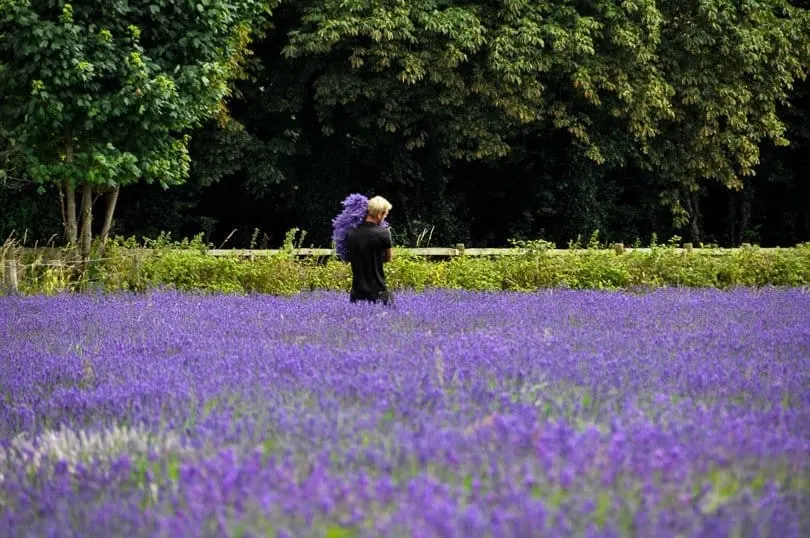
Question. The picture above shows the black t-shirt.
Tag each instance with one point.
(367, 245)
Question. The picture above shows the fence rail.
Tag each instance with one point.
(436, 252)
(460, 250)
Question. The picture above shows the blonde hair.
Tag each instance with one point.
(378, 206)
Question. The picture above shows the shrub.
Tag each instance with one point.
(185, 265)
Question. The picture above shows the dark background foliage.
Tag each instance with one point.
(307, 127)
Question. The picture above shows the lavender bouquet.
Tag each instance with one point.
(355, 209)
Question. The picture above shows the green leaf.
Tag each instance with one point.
(337, 531)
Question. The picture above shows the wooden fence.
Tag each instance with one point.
(461, 250)
(10, 282)
(12, 265)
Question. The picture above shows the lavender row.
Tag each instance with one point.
(678, 412)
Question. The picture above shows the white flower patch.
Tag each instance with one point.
(75, 447)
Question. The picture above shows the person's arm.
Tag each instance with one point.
(389, 255)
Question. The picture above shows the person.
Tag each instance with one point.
(369, 248)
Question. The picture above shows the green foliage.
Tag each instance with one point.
(555, 117)
(115, 85)
(102, 95)
(187, 266)
(468, 74)
(692, 86)
(729, 65)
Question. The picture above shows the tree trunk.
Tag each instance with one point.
(69, 208)
(71, 225)
(406, 214)
(746, 215)
(87, 221)
(60, 188)
(732, 210)
(112, 200)
(695, 224)
(692, 201)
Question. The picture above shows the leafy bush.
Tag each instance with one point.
(185, 265)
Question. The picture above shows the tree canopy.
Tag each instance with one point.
(99, 96)
(555, 118)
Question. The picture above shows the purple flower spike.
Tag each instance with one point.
(209, 415)
(355, 209)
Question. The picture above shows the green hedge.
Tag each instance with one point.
(186, 266)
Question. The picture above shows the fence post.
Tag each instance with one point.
(460, 248)
(12, 283)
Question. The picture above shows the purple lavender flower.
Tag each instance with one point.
(170, 414)
(355, 210)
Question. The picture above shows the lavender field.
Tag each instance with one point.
(459, 414)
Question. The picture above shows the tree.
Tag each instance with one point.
(551, 117)
(99, 96)
(467, 75)
(685, 90)
(391, 96)
(731, 65)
